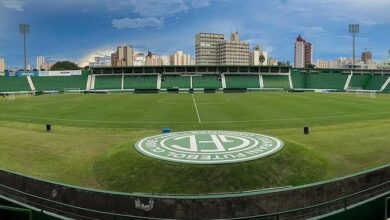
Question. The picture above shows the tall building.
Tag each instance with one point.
(303, 54)
(179, 59)
(207, 48)
(3, 66)
(152, 60)
(234, 52)
(40, 62)
(367, 57)
(257, 55)
(122, 57)
(387, 63)
(213, 49)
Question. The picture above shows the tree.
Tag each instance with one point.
(65, 65)
(310, 66)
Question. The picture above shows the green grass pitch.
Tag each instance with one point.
(91, 144)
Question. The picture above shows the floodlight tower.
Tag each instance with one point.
(24, 29)
(354, 29)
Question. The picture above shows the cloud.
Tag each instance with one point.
(308, 30)
(137, 22)
(101, 53)
(14, 4)
(157, 8)
(200, 3)
(367, 12)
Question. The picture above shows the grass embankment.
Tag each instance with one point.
(93, 135)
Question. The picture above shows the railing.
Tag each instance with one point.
(387, 208)
(18, 210)
(340, 204)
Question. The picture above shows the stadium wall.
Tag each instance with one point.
(300, 202)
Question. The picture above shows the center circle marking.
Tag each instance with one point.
(209, 147)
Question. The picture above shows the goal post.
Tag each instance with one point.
(72, 90)
(11, 96)
(16, 95)
(360, 92)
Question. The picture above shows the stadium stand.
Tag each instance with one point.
(376, 82)
(175, 81)
(206, 82)
(242, 81)
(368, 82)
(274, 81)
(140, 82)
(327, 80)
(359, 81)
(318, 79)
(108, 82)
(387, 89)
(14, 84)
(59, 83)
(299, 79)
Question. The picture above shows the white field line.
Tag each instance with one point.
(196, 108)
(191, 122)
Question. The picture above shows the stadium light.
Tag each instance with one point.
(24, 29)
(354, 29)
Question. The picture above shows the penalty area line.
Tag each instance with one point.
(196, 108)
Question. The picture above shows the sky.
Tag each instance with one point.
(79, 30)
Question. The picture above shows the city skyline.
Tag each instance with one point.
(79, 31)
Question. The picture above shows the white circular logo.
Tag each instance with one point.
(209, 147)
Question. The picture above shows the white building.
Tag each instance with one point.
(101, 61)
(273, 62)
(323, 64)
(139, 59)
(40, 62)
(3, 66)
(345, 63)
(165, 60)
(179, 59)
(254, 56)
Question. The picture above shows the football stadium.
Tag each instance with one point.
(195, 142)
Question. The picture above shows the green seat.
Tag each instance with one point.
(358, 81)
(140, 82)
(327, 80)
(274, 81)
(318, 80)
(242, 81)
(108, 82)
(175, 81)
(14, 84)
(59, 83)
(206, 82)
(375, 82)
